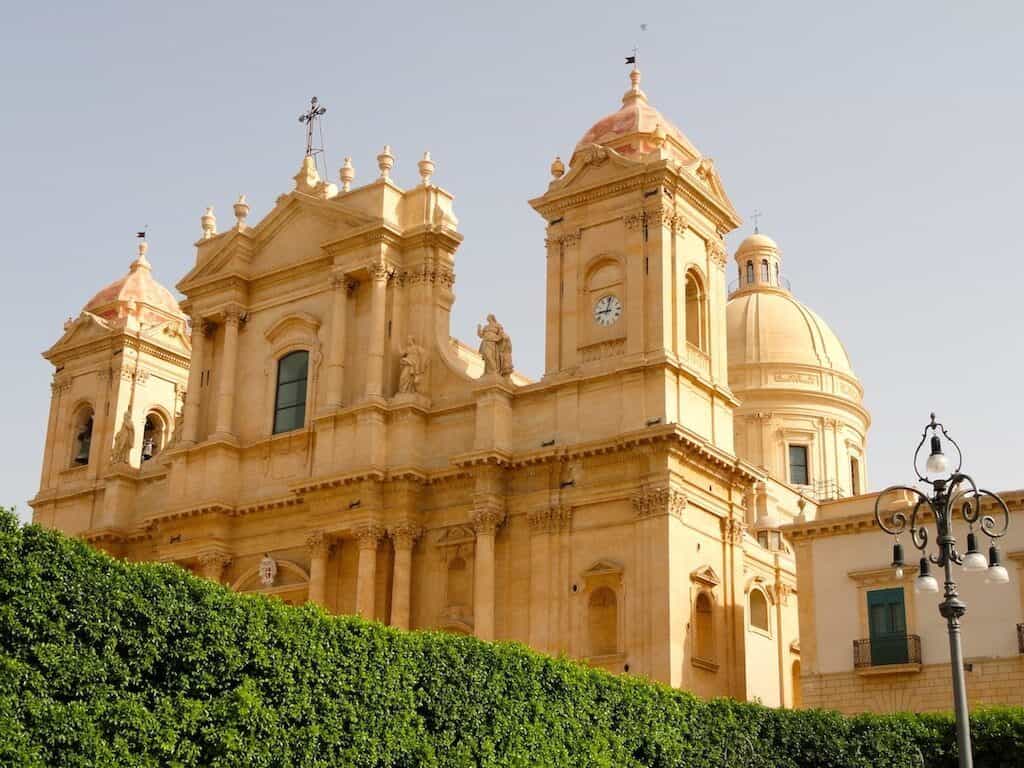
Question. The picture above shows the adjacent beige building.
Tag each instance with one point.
(304, 425)
(870, 643)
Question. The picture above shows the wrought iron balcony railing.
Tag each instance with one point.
(887, 650)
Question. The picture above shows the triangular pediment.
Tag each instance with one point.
(296, 220)
(602, 567)
(456, 535)
(705, 575)
(593, 165)
(84, 329)
(707, 175)
(171, 336)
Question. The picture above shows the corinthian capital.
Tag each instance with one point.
(404, 535)
(318, 544)
(487, 516)
(368, 536)
(549, 519)
(733, 530)
(654, 502)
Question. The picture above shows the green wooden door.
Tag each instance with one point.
(887, 624)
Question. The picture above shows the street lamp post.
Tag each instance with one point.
(952, 492)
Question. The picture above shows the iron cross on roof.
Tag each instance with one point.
(310, 117)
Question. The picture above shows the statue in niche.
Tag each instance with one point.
(179, 418)
(267, 571)
(495, 347)
(413, 366)
(124, 441)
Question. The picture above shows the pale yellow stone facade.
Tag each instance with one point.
(841, 557)
(336, 444)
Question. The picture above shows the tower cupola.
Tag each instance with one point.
(759, 264)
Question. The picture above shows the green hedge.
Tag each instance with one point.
(105, 663)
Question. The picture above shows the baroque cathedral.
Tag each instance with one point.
(303, 424)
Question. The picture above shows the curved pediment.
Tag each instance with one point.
(295, 323)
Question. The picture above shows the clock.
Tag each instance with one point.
(607, 310)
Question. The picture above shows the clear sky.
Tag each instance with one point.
(881, 140)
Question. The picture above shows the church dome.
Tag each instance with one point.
(637, 128)
(151, 301)
(769, 328)
(773, 327)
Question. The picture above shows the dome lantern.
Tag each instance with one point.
(759, 265)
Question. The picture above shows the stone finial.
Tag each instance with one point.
(385, 161)
(241, 212)
(141, 260)
(426, 166)
(209, 223)
(347, 174)
(557, 167)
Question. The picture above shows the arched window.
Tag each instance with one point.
(750, 273)
(154, 435)
(290, 403)
(695, 331)
(459, 586)
(82, 436)
(704, 638)
(778, 281)
(764, 271)
(603, 621)
(758, 610)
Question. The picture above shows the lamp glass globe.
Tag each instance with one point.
(974, 562)
(997, 574)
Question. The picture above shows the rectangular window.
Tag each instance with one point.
(887, 626)
(854, 477)
(290, 403)
(798, 465)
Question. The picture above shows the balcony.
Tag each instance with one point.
(698, 360)
(887, 655)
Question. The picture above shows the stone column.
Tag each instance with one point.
(403, 537)
(486, 519)
(369, 537)
(733, 529)
(228, 364)
(195, 372)
(336, 350)
(319, 550)
(378, 330)
(212, 565)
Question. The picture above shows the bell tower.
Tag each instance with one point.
(120, 370)
(636, 264)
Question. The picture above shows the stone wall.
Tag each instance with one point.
(989, 682)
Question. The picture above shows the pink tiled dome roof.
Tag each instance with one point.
(637, 127)
(152, 300)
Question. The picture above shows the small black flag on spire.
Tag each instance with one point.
(140, 234)
(631, 59)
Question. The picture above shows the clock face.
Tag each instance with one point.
(607, 310)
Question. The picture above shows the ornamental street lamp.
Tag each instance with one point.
(952, 492)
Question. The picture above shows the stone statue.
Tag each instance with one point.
(267, 571)
(121, 454)
(495, 347)
(414, 365)
(179, 419)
